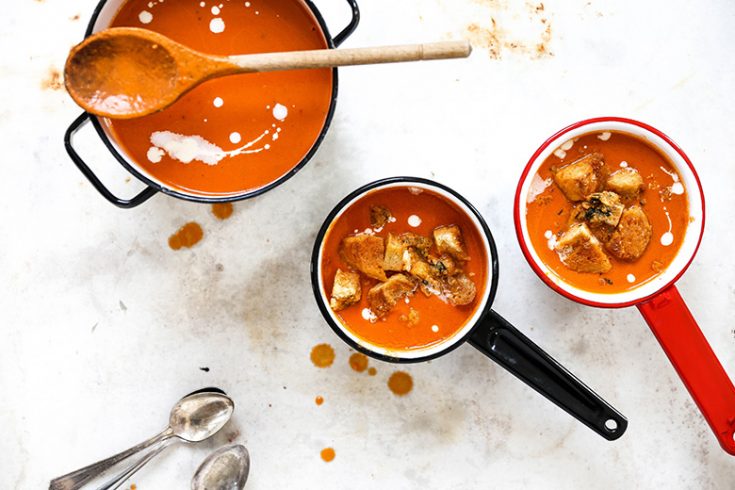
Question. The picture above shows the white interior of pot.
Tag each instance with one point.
(459, 334)
(693, 232)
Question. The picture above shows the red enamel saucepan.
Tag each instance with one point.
(658, 299)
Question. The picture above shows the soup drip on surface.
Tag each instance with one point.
(404, 268)
(607, 212)
(236, 133)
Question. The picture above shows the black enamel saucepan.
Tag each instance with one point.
(102, 18)
(486, 330)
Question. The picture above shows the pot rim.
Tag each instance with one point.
(131, 166)
(490, 287)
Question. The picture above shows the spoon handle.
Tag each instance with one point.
(324, 58)
(77, 479)
(120, 479)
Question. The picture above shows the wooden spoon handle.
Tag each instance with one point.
(325, 58)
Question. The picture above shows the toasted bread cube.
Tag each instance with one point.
(603, 208)
(627, 182)
(379, 216)
(364, 253)
(459, 289)
(396, 250)
(445, 265)
(579, 250)
(581, 178)
(384, 296)
(449, 240)
(632, 236)
(346, 290)
(393, 260)
(423, 271)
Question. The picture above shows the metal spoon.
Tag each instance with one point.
(127, 72)
(225, 469)
(194, 418)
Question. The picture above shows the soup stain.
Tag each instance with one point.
(319, 400)
(53, 80)
(222, 210)
(186, 237)
(358, 362)
(328, 454)
(372, 371)
(322, 355)
(521, 29)
(400, 383)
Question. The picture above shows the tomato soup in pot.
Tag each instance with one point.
(237, 134)
(408, 222)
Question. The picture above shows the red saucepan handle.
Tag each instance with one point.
(703, 375)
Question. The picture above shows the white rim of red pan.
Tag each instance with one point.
(457, 336)
(694, 229)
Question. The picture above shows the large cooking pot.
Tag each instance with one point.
(102, 17)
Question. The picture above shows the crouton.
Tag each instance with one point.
(579, 250)
(627, 182)
(582, 177)
(632, 236)
(364, 253)
(384, 296)
(602, 208)
(422, 270)
(396, 248)
(379, 216)
(346, 290)
(445, 265)
(459, 289)
(449, 240)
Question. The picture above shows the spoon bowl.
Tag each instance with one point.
(225, 469)
(119, 72)
(199, 416)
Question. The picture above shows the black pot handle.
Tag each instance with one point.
(146, 194)
(504, 344)
(345, 33)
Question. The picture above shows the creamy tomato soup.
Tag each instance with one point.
(607, 212)
(237, 133)
(404, 268)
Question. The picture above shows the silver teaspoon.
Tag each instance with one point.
(225, 469)
(194, 418)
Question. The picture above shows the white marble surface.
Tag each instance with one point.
(103, 327)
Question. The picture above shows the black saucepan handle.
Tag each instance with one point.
(146, 194)
(345, 33)
(504, 344)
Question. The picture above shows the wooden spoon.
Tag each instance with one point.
(127, 72)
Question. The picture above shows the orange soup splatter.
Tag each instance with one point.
(358, 362)
(322, 355)
(400, 383)
(319, 400)
(186, 237)
(328, 454)
(632, 178)
(222, 210)
(425, 313)
(236, 133)
(372, 371)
